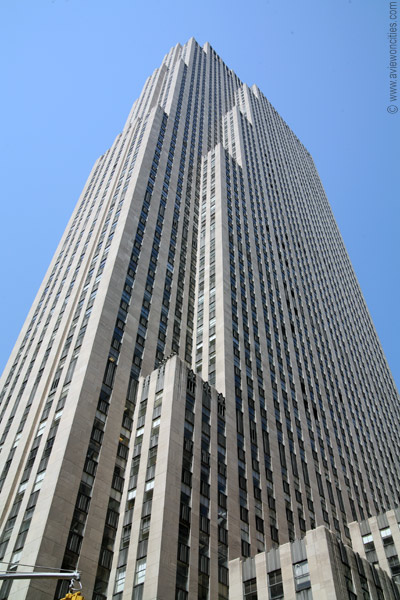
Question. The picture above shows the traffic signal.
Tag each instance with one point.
(73, 596)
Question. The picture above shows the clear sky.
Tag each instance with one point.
(71, 70)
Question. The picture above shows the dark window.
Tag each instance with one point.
(275, 585)
(250, 589)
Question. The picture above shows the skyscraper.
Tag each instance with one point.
(198, 379)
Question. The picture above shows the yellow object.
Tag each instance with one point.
(73, 596)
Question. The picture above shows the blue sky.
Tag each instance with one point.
(72, 68)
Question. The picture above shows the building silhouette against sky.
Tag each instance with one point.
(198, 379)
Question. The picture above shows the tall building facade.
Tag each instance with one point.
(198, 379)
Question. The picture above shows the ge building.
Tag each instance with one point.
(198, 405)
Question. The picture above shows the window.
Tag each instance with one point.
(368, 542)
(386, 535)
(394, 564)
(41, 428)
(204, 564)
(302, 576)
(110, 372)
(365, 588)
(274, 534)
(149, 485)
(70, 371)
(15, 557)
(349, 583)
(275, 584)
(183, 553)
(140, 571)
(137, 592)
(250, 589)
(38, 480)
(74, 543)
